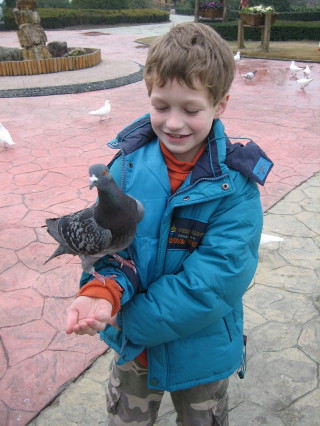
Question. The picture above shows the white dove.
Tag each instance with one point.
(103, 111)
(307, 71)
(249, 75)
(265, 239)
(304, 82)
(237, 57)
(294, 68)
(5, 135)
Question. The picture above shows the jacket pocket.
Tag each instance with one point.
(230, 326)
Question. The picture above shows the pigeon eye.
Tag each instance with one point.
(104, 173)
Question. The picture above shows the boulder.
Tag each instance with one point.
(10, 54)
(57, 48)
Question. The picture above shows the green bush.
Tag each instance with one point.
(44, 3)
(56, 4)
(10, 3)
(279, 5)
(100, 4)
(280, 31)
(300, 16)
(60, 18)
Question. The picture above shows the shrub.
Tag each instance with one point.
(280, 31)
(279, 5)
(44, 3)
(60, 18)
(300, 16)
(100, 4)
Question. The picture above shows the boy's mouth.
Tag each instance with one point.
(173, 136)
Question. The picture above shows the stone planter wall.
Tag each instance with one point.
(44, 66)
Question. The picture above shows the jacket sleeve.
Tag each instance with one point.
(213, 280)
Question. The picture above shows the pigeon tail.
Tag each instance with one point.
(58, 252)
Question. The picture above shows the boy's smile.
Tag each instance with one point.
(182, 117)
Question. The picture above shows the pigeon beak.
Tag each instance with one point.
(93, 180)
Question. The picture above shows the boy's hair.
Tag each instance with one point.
(191, 52)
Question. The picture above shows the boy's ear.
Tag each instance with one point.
(221, 106)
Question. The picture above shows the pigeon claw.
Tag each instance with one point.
(123, 261)
(100, 277)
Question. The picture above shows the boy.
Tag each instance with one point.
(180, 326)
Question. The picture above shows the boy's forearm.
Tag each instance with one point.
(111, 291)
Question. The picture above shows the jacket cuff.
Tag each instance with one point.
(110, 291)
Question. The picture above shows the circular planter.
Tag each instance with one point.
(44, 66)
(211, 13)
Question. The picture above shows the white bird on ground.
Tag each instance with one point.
(249, 75)
(307, 71)
(5, 135)
(237, 57)
(294, 68)
(103, 111)
(265, 239)
(304, 82)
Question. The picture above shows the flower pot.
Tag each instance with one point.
(255, 19)
(211, 13)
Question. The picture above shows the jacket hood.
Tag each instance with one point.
(249, 159)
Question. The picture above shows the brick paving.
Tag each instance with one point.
(46, 174)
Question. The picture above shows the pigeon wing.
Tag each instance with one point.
(78, 233)
(82, 233)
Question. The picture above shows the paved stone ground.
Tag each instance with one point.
(282, 313)
(45, 174)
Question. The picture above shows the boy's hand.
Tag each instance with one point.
(87, 315)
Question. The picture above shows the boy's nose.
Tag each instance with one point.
(174, 121)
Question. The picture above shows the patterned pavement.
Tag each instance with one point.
(46, 174)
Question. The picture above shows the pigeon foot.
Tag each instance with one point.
(123, 261)
(102, 278)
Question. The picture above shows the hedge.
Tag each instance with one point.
(44, 3)
(308, 16)
(60, 18)
(280, 31)
(110, 4)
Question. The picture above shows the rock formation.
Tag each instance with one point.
(31, 35)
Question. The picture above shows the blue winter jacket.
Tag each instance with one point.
(196, 252)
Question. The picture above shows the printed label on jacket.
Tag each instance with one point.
(185, 234)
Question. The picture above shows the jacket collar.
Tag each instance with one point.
(218, 155)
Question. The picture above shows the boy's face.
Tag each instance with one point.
(182, 117)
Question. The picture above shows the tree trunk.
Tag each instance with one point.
(31, 35)
(226, 9)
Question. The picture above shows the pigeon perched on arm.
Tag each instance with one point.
(103, 111)
(105, 228)
(5, 135)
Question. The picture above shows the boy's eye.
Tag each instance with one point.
(191, 112)
(160, 108)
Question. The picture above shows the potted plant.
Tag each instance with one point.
(255, 15)
(211, 9)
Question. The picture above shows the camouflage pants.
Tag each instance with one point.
(131, 402)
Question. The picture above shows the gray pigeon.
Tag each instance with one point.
(105, 228)
(249, 75)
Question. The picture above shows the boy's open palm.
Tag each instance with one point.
(88, 315)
